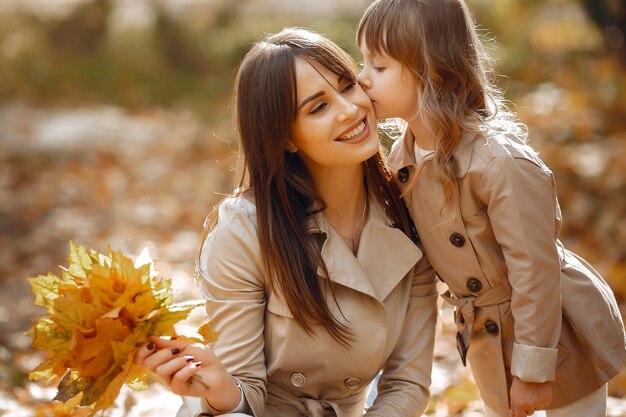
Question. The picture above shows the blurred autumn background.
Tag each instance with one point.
(115, 129)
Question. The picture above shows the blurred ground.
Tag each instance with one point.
(161, 176)
(114, 129)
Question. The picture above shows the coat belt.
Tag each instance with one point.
(317, 408)
(464, 313)
(312, 407)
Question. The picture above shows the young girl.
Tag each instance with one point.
(539, 326)
(311, 275)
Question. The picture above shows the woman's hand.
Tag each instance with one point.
(190, 369)
(528, 397)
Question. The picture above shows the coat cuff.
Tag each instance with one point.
(533, 363)
(242, 407)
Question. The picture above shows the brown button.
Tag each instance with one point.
(491, 327)
(474, 285)
(403, 175)
(352, 383)
(298, 379)
(457, 239)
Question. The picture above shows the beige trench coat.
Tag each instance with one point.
(387, 296)
(530, 307)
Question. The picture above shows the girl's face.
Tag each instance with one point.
(335, 125)
(389, 84)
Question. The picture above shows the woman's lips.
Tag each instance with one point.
(356, 133)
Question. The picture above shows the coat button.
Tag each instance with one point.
(298, 379)
(491, 327)
(403, 175)
(474, 285)
(457, 239)
(352, 383)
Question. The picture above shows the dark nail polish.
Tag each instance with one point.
(150, 346)
(175, 351)
(188, 358)
(196, 364)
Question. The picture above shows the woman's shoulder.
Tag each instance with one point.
(234, 232)
(230, 254)
(235, 214)
(238, 204)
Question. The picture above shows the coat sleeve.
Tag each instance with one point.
(233, 284)
(523, 210)
(403, 389)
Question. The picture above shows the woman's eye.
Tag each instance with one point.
(348, 87)
(318, 108)
(379, 69)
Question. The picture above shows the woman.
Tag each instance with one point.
(311, 274)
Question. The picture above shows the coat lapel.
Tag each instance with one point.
(386, 253)
(385, 257)
(402, 156)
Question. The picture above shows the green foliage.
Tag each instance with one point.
(174, 63)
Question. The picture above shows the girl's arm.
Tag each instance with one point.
(523, 211)
(234, 286)
(403, 386)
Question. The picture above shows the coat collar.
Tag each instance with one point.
(403, 156)
(464, 153)
(366, 272)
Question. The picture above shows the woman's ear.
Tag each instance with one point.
(291, 148)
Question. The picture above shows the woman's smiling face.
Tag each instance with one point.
(335, 124)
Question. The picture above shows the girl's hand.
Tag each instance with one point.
(190, 369)
(528, 397)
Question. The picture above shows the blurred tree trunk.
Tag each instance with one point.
(181, 48)
(610, 16)
(82, 32)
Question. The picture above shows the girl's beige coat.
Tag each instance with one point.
(386, 296)
(538, 311)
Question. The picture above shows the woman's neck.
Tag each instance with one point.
(343, 190)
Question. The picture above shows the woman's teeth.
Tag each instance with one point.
(354, 132)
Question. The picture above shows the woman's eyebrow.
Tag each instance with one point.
(340, 78)
(310, 98)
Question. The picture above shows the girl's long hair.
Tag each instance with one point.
(438, 42)
(265, 100)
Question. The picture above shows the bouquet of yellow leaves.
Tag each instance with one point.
(99, 312)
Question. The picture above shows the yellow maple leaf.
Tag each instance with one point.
(208, 333)
(98, 312)
(70, 408)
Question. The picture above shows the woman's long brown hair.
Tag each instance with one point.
(265, 100)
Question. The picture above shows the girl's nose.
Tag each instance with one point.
(364, 81)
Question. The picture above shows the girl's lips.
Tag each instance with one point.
(361, 132)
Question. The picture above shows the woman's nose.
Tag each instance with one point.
(349, 111)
